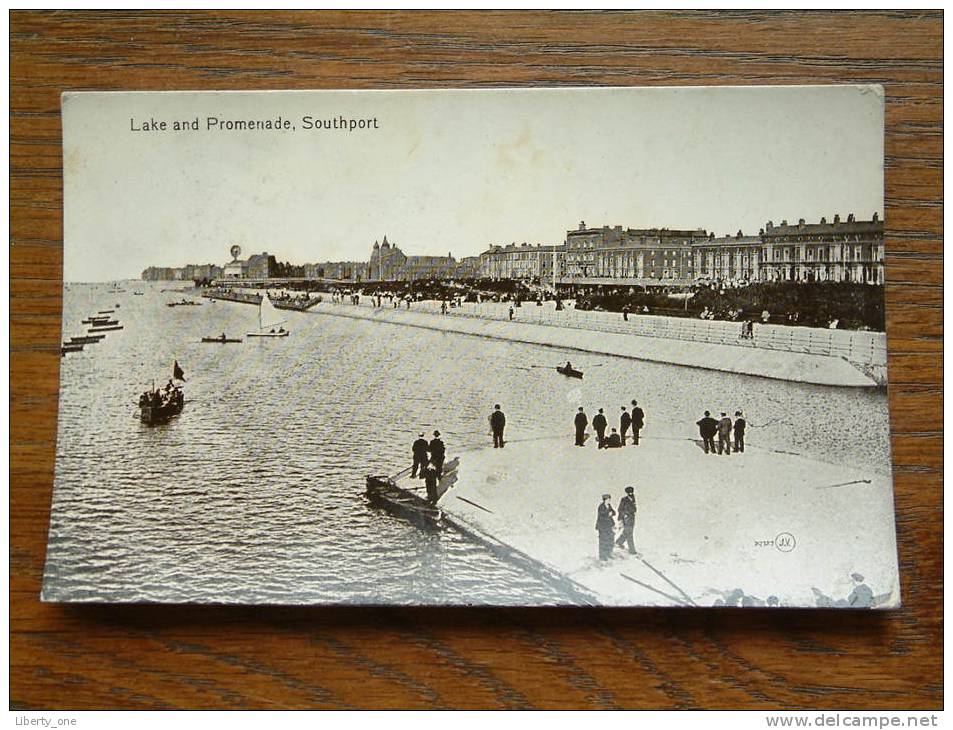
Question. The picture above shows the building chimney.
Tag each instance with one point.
(875, 218)
(823, 221)
(582, 225)
(850, 217)
(784, 222)
(800, 221)
(836, 218)
(769, 226)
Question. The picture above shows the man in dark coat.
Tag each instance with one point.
(624, 423)
(740, 425)
(431, 479)
(580, 422)
(724, 435)
(421, 459)
(497, 424)
(605, 526)
(627, 511)
(707, 428)
(600, 424)
(437, 453)
(638, 421)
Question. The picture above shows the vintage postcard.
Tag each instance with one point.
(620, 346)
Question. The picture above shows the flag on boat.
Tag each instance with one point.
(177, 372)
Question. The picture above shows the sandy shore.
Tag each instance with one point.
(757, 528)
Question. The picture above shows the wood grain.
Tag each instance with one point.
(74, 657)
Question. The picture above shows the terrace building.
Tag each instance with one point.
(522, 262)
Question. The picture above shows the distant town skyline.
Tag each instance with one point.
(454, 171)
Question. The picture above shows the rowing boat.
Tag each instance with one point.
(569, 373)
(96, 328)
(67, 347)
(220, 340)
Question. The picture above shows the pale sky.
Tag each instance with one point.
(452, 171)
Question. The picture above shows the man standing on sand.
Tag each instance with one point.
(627, 510)
(580, 422)
(599, 424)
(437, 453)
(740, 425)
(497, 424)
(420, 457)
(624, 424)
(605, 526)
(638, 421)
(707, 428)
(724, 434)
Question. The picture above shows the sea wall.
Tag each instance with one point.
(745, 360)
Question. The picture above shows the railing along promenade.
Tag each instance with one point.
(857, 346)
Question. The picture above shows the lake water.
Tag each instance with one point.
(254, 493)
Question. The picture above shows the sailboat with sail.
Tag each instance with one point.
(270, 320)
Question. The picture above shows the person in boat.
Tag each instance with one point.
(568, 366)
(638, 422)
(627, 510)
(438, 452)
(614, 442)
(497, 424)
(421, 458)
(605, 526)
(223, 337)
(599, 423)
(580, 422)
(144, 400)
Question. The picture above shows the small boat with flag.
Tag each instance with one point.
(159, 405)
(270, 320)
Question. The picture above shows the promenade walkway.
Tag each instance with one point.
(575, 333)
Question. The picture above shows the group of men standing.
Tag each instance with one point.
(616, 438)
(605, 523)
(428, 463)
(723, 428)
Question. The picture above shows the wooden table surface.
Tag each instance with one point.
(84, 657)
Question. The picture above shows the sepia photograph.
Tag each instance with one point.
(527, 347)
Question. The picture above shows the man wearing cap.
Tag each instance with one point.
(599, 423)
(580, 422)
(724, 434)
(437, 453)
(740, 425)
(497, 424)
(420, 457)
(627, 511)
(605, 526)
